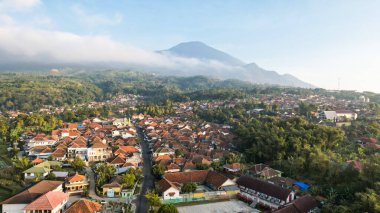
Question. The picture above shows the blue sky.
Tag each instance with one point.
(318, 41)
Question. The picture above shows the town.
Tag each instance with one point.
(137, 162)
(197, 106)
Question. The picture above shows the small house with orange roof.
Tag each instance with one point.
(233, 167)
(76, 184)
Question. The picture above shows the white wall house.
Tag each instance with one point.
(18, 202)
(171, 193)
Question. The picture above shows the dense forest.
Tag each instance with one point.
(306, 151)
(29, 92)
(317, 155)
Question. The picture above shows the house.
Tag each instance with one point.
(135, 159)
(42, 140)
(338, 115)
(304, 204)
(233, 167)
(189, 166)
(53, 202)
(265, 193)
(60, 174)
(257, 168)
(126, 150)
(212, 179)
(284, 182)
(113, 188)
(59, 154)
(40, 170)
(328, 115)
(268, 173)
(98, 152)
(163, 151)
(264, 171)
(76, 184)
(16, 203)
(167, 189)
(84, 206)
(77, 148)
(37, 161)
(42, 152)
(172, 168)
(348, 114)
(171, 183)
(121, 122)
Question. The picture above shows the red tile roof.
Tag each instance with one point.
(37, 161)
(77, 178)
(233, 166)
(163, 157)
(48, 201)
(33, 192)
(127, 149)
(84, 206)
(99, 145)
(164, 185)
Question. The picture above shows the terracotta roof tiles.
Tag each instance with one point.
(84, 206)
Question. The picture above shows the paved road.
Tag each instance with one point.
(91, 181)
(148, 184)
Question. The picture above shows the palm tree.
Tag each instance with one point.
(21, 164)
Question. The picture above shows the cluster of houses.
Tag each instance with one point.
(180, 146)
(47, 196)
(92, 141)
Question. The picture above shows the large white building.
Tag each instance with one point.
(18, 202)
(264, 193)
(338, 115)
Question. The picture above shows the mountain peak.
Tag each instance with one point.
(200, 50)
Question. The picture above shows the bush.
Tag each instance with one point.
(188, 188)
(167, 208)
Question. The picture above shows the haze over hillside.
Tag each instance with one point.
(185, 59)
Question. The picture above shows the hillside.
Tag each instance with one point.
(31, 91)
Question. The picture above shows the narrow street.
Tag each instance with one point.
(91, 181)
(148, 184)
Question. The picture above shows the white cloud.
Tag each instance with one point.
(41, 20)
(93, 20)
(20, 43)
(6, 19)
(8, 5)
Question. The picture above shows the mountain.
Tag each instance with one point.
(199, 50)
(233, 68)
(183, 60)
